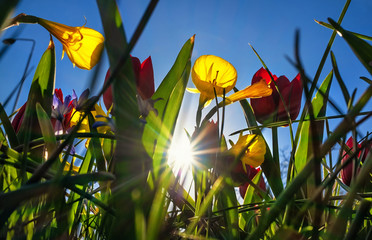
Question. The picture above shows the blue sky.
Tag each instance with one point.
(223, 28)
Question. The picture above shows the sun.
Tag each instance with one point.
(180, 154)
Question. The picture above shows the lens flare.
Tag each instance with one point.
(180, 154)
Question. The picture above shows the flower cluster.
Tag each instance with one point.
(214, 77)
(66, 113)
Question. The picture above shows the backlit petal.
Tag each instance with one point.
(82, 45)
(211, 72)
(254, 149)
(257, 90)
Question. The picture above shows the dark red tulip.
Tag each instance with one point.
(272, 108)
(144, 74)
(347, 171)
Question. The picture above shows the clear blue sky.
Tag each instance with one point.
(223, 28)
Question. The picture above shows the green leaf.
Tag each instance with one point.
(6, 10)
(97, 149)
(166, 87)
(369, 81)
(170, 118)
(216, 189)
(327, 25)
(29, 191)
(159, 207)
(41, 91)
(13, 140)
(128, 149)
(230, 203)
(248, 199)
(319, 107)
(344, 90)
(360, 47)
(179, 73)
(46, 128)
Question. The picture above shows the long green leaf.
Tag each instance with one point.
(170, 118)
(344, 90)
(361, 48)
(41, 91)
(163, 94)
(319, 106)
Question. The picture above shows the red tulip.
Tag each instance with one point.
(144, 80)
(271, 107)
(250, 174)
(17, 120)
(347, 171)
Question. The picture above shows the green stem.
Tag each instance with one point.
(275, 145)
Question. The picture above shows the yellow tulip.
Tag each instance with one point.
(252, 147)
(211, 72)
(83, 45)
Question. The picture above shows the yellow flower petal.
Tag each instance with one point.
(82, 45)
(211, 72)
(193, 90)
(68, 166)
(257, 90)
(75, 118)
(254, 148)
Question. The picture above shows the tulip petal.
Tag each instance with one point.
(107, 95)
(262, 74)
(254, 147)
(145, 82)
(257, 90)
(193, 90)
(292, 95)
